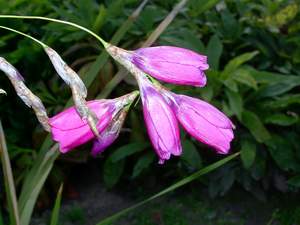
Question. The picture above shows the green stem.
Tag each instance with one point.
(104, 43)
(25, 35)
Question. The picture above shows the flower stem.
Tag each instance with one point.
(25, 35)
(104, 43)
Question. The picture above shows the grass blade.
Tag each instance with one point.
(9, 181)
(55, 211)
(173, 187)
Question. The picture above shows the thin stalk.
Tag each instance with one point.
(104, 43)
(25, 35)
(9, 180)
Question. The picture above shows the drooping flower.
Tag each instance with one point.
(71, 131)
(202, 120)
(172, 64)
(180, 66)
(160, 120)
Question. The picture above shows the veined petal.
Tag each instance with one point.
(161, 123)
(172, 64)
(206, 110)
(69, 118)
(203, 121)
(69, 139)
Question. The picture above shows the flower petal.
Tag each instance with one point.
(161, 124)
(69, 118)
(203, 121)
(172, 64)
(206, 110)
(69, 139)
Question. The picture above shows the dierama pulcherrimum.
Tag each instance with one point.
(70, 130)
(160, 120)
(202, 120)
(162, 108)
(172, 64)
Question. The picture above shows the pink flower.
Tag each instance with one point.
(161, 122)
(203, 121)
(172, 64)
(71, 131)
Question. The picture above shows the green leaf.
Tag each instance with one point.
(127, 150)
(284, 101)
(8, 181)
(294, 181)
(173, 187)
(282, 119)
(235, 103)
(248, 153)
(256, 127)
(214, 51)
(55, 212)
(200, 6)
(243, 76)
(234, 64)
(112, 172)
(231, 84)
(282, 152)
(190, 155)
(143, 163)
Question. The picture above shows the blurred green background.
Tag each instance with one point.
(253, 49)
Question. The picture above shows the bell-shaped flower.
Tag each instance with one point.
(160, 120)
(71, 131)
(172, 64)
(202, 120)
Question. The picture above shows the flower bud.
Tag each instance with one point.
(203, 121)
(161, 122)
(172, 64)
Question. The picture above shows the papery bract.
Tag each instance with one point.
(172, 64)
(161, 122)
(203, 121)
(109, 134)
(112, 131)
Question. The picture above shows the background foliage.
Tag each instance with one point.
(254, 54)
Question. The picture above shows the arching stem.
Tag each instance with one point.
(104, 43)
(25, 35)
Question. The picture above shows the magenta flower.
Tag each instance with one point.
(203, 121)
(172, 64)
(161, 122)
(71, 131)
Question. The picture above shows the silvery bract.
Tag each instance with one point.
(24, 93)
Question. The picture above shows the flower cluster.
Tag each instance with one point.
(163, 110)
(102, 120)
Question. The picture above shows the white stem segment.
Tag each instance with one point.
(2, 91)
